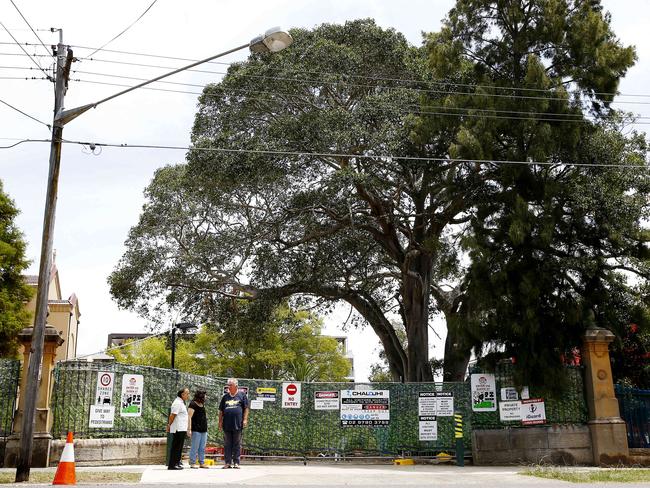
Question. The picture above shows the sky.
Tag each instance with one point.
(101, 192)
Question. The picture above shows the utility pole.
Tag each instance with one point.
(63, 63)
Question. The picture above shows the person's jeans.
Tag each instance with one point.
(231, 446)
(198, 447)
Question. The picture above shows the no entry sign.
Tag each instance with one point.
(290, 395)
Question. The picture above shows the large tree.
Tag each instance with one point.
(316, 172)
(549, 239)
(14, 292)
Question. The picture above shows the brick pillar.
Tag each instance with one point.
(43, 416)
(608, 431)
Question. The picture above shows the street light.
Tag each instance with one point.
(272, 41)
(184, 326)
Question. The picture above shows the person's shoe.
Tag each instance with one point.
(204, 466)
(226, 466)
(176, 468)
(235, 466)
(194, 466)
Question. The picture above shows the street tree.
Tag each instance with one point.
(14, 292)
(549, 241)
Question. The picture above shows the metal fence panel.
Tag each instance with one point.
(274, 430)
(635, 410)
(9, 380)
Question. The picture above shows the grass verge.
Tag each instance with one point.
(82, 477)
(617, 475)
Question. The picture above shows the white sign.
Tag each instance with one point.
(440, 403)
(257, 404)
(365, 407)
(510, 411)
(428, 428)
(533, 411)
(326, 400)
(132, 392)
(525, 394)
(266, 394)
(101, 416)
(104, 392)
(484, 393)
(291, 394)
(508, 394)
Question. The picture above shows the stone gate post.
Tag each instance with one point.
(608, 431)
(43, 420)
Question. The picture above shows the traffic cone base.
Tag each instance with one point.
(65, 471)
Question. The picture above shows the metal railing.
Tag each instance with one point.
(635, 410)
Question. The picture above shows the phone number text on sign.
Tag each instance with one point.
(369, 408)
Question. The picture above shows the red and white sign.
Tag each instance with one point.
(326, 400)
(291, 394)
(104, 391)
(533, 411)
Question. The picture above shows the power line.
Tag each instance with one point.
(26, 114)
(30, 27)
(356, 85)
(130, 25)
(294, 96)
(26, 53)
(345, 155)
(403, 110)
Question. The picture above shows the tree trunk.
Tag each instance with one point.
(416, 284)
(457, 355)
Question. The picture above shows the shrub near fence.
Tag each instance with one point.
(277, 430)
(9, 379)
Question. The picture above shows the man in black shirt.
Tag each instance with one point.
(233, 417)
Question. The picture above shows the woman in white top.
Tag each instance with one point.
(178, 426)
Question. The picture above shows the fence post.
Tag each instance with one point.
(608, 431)
(458, 435)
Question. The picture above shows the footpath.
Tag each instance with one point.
(332, 475)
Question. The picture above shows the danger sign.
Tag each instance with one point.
(291, 395)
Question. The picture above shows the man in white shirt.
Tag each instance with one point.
(178, 425)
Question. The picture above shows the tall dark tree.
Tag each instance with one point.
(14, 292)
(547, 241)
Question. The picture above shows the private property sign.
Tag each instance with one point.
(291, 395)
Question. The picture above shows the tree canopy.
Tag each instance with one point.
(14, 292)
(354, 167)
(286, 345)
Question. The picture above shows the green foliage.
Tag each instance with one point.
(286, 345)
(14, 292)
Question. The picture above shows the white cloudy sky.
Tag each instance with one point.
(100, 196)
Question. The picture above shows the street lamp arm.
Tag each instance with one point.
(66, 116)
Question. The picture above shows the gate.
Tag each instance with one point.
(635, 410)
(9, 379)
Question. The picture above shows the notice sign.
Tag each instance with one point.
(510, 411)
(131, 400)
(428, 428)
(365, 407)
(291, 394)
(266, 394)
(533, 411)
(257, 404)
(101, 416)
(509, 393)
(326, 400)
(440, 403)
(104, 392)
(484, 393)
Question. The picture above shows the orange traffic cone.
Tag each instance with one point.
(65, 473)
